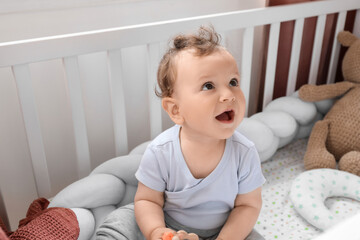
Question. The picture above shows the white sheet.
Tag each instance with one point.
(278, 218)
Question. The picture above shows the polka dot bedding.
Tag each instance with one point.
(278, 218)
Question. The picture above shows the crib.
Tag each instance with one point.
(91, 121)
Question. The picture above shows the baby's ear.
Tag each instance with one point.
(170, 105)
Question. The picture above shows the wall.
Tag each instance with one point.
(25, 19)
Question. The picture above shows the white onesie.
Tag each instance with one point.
(200, 203)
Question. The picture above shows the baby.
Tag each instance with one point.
(200, 176)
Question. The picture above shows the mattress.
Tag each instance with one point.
(278, 218)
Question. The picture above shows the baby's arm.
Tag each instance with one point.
(149, 212)
(150, 216)
(243, 216)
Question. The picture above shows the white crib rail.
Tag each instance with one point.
(336, 48)
(246, 64)
(40, 49)
(295, 55)
(118, 101)
(78, 114)
(271, 62)
(32, 127)
(18, 54)
(153, 54)
(316, 51)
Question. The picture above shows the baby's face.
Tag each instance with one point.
(207, 90)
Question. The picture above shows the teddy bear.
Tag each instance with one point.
(336, 138)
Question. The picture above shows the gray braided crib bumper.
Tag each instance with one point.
(108, 187)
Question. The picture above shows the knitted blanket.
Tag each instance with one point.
(42, 223)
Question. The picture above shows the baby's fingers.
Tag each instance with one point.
(192, 236)
(182, 235)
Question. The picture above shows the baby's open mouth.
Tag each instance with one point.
(226, 116)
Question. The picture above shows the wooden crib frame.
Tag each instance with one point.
(17, 55)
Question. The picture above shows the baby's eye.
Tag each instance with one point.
(208, 86)
(234, 82)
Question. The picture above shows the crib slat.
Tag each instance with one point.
(153, 54)
(356, 29)
(295, 54)
(33, 130)
(271, 63)
(118, 102)
(336, 48)
(78, 114)
(316, 51)
(246, 64)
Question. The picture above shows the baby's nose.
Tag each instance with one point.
(227, 96)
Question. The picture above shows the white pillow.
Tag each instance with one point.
(311, 188)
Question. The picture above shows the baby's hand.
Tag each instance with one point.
(162, 233)
(180, 235)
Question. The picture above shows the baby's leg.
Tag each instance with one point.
(254, 235)
(120, 225)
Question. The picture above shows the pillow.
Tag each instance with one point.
(311, 188)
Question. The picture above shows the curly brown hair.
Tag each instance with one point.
(204, 42)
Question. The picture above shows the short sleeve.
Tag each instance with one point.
(250, 174)
(150, 171)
